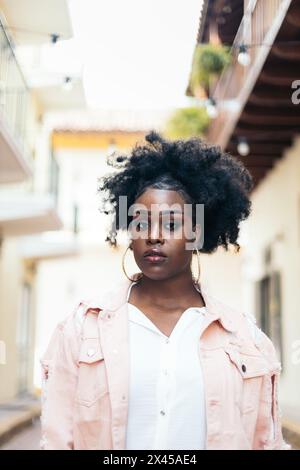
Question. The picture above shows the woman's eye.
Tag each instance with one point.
(172, 226)
(140, 225)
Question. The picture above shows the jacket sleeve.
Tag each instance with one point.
(59, 379)
(268, 433)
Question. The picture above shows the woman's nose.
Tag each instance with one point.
(155, 233)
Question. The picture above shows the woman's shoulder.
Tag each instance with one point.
(247, 329)
(68, 332)
(73, 321)
(108, 298)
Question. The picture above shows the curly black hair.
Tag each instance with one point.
(203, 174)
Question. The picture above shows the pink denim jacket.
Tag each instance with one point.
(86, 379)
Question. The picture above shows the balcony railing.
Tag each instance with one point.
(14, 95)
(258, 29)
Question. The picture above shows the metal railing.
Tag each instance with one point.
(14, 94)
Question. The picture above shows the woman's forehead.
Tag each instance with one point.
(160, 196)
(162, 203)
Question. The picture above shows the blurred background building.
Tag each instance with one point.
(27, 195)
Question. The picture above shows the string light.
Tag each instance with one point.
(54, 38)
(226, 9)
(243, 147)
(244, 58)
(211, 108)
(68, 84)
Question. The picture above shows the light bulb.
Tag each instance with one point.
(211, 108)
(244, 58)
(68, 84)
(243, 147)
(54, 39)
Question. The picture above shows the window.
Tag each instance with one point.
(53, 177)
(270, 309)
(24, 339)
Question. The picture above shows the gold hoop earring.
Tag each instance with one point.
(196, 280)
(124, 270)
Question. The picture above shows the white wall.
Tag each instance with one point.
(275, 221)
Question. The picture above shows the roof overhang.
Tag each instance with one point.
(265, 114)
(50, 245)
(27, 214)
(33, 21)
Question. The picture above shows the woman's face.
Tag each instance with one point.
(161, 233)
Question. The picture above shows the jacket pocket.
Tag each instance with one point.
(92, 378)
(249, 367)
(249, 362)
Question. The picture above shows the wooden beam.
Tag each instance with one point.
(270, 101)
(258, 172)
(263, 115)
(285, 111)
(280, 76)
(257, 148)
(286, 52)
(293, 16)
(259, 161)
(262, 91)
(262, 135)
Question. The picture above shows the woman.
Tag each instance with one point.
(156, 362)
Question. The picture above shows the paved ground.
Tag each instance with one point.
(27, 439)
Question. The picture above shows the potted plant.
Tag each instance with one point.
(209, 61)
(187, 122)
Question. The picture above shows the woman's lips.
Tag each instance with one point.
(155, 258)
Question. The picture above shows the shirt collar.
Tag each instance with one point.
(116, 297)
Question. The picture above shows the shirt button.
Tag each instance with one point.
(162, 412)
(165, 372)
(167, 340)
(244, 368)
(91, 352)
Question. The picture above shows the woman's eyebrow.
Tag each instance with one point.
(146, 212)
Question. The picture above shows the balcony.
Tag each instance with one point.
(27, 214)
(15, 160)
(259, 27)
(255, 102)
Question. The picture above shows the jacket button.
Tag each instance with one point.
(244, 368)
(90, 352)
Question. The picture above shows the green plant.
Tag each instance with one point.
(208, 62)
(187, 122)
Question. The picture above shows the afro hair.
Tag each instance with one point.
(203, 174)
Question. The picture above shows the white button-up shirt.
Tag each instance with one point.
(166, 408)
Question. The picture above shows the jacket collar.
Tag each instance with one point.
(114, 298)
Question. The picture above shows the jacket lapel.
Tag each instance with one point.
(114, 337)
